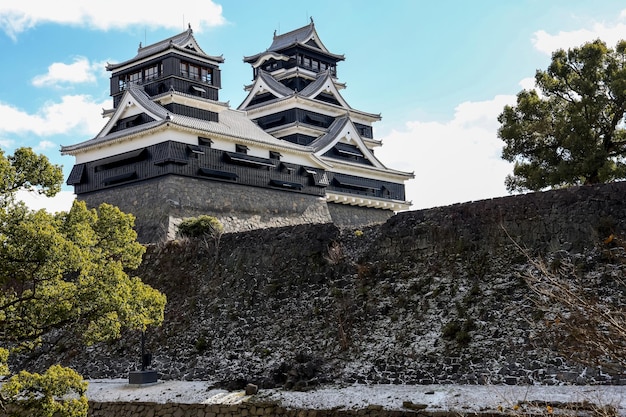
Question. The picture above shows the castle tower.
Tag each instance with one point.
(171, 150)
(295, 97)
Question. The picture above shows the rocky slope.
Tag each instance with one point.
(431, 296)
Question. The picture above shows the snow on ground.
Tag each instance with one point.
(465, 398)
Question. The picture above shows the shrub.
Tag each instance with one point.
(201, 226)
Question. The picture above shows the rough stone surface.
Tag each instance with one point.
(161, 203)
(354, 216)
(430, 297)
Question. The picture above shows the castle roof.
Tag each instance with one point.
(283, 94)
(305, 36)
(273, 85)
(184, 41)
(232, 123)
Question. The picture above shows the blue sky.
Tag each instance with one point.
(439, 72)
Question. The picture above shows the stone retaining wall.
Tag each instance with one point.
(141, 409)
(430, 297)
(344, 215)
(161, 203)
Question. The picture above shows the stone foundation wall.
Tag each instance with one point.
(354, 216)
(571, 219)
(138, 409)
(160, 204)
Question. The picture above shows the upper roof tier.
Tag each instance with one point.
(184, 42)
(305, 37)
(233, 124)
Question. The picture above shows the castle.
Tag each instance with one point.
(293, 152)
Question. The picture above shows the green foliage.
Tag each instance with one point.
(64, 271)
(70, 268)
(458, 332)
(25, 170)
(201, 344)
(572, 131)
(201, 226)
(4, 357)
(57, 392)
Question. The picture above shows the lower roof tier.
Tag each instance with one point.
(202, 161)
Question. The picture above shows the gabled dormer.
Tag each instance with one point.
(344, 142)
(177, 63)
(264, 89)
(324, 88)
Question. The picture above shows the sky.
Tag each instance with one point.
(438, 72)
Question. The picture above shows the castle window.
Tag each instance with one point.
(214, 173)
(204, 141)
(124, 80)
(206, 75)
(271, 121)
(241, 149)
(117, 179)
(289, 168)
(358, 183)
(316, 65)
(135, 77)
(286, 184)
(121, 159)
(194, 72)
(255, 161)
(184, 69)
(151, 73)
(196, 149)
(315, 119)
(199, 91)
(307, 62)
(348, 150)
(275, 155)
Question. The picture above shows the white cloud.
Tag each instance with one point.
(528, 83)
(61, 202)
(6, 143)
(80, 71)
(609, 33)
(45, 144)
(456, 161)
(74, 113)
(19, 16)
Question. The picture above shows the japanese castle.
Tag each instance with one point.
(293, 152)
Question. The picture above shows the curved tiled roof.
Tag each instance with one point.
(298, 36)
(274, 85)
(232, 123)
(178, 42)
(333, 130)
(320, 80)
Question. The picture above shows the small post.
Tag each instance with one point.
(144, 376)
(143, 350)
